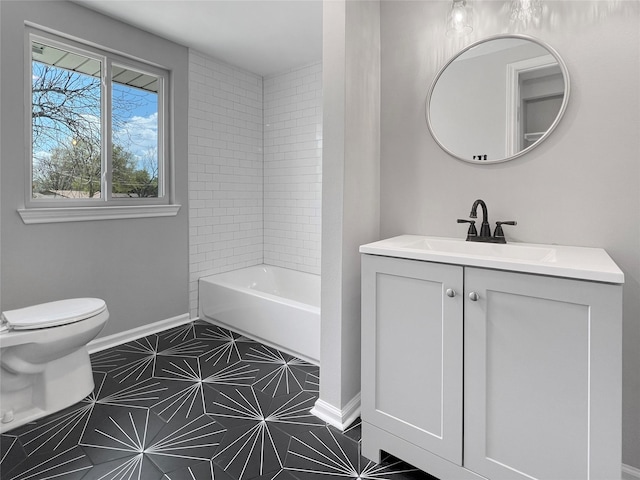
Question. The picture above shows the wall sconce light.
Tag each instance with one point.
(459, 19)
(524, 12)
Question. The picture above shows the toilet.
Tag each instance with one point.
(44, 361)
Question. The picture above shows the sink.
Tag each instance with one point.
(495, 250)
(583, 263)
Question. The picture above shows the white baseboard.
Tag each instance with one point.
(109, 341)
(630, 473)
(339, 418)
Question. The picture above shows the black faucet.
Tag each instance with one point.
(485, 229)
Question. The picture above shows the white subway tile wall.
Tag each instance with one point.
(247, 207)
(293, 168)
(225, 170)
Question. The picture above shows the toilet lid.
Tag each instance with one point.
(53, 314)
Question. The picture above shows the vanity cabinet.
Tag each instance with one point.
(473, 372)
(412, 352)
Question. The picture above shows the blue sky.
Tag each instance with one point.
(138, 131)
(140, 135)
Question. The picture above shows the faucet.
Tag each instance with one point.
(485, 229)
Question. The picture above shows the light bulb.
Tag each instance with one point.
(524, 12)
(459, 19)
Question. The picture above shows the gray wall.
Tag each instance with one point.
(350, 187)
(580, 187)
(139, 266)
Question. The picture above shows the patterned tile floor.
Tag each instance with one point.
(194, 402)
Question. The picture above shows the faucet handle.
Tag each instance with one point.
(472, 232)
(498, 233)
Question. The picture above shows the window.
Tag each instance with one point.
(97, 129)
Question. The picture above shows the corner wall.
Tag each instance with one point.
(350, 193)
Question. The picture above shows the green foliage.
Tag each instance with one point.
(67, 138)
(129, 180)
(75, 171)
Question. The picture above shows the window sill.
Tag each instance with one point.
(81, 214)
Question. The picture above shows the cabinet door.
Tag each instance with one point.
(412, 352)
(542, 377)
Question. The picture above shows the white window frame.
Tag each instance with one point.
(53, 210)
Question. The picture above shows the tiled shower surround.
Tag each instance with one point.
(293, 168)
(247, 206)
(225, 169)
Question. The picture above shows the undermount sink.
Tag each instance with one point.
(557, 260)
(506, 251)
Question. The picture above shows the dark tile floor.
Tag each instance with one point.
(194, 402)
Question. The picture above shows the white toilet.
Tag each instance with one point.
(44, 360)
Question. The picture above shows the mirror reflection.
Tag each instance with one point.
(497, 99)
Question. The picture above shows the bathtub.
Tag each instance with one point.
(277, 306)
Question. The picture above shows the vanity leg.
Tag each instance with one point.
(370, 448)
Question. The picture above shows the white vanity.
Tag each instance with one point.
(492, 361)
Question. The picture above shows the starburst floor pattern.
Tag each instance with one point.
(193, 402)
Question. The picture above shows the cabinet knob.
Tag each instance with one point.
(451, 292)
(474, 296)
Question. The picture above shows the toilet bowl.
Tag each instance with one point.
(44, 361)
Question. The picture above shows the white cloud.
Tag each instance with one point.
(139, 135)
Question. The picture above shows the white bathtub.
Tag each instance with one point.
(274, 305)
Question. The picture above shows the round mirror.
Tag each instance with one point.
(497, 99)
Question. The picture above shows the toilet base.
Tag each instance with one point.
(62, 383)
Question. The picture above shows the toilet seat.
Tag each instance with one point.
(53, 314)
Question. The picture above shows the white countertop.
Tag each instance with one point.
(582, 263)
